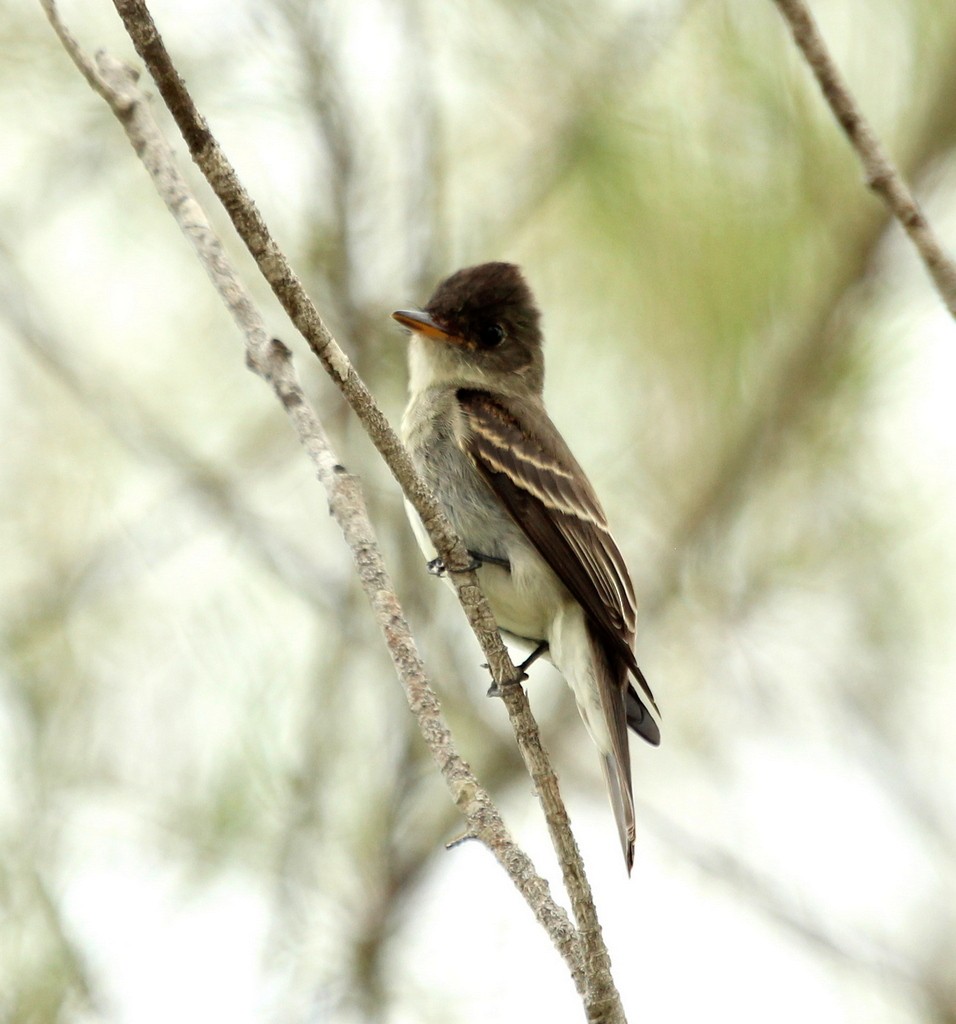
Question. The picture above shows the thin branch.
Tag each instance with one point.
(882, 176)
(205, 150)
(802, 368)
(272, 360)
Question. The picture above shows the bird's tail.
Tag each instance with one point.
(640, 717)
(612, 686)
(622, 802)
(599, 679)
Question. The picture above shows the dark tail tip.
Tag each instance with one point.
(640, 719)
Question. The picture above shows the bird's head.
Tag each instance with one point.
(480, 324)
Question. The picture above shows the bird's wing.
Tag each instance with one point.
(550, 498)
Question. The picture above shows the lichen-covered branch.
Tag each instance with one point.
(272, 360)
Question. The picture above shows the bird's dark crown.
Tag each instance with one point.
(486, 306)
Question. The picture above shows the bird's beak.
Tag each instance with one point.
(422, 323)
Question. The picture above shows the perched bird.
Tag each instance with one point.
(479, 434)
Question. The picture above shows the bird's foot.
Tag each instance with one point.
(495, 690)
(437, 566)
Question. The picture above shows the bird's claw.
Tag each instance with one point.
(496, 691)
(438, 568)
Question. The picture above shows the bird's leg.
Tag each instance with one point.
(489, 559)
(495, 691)
(542, 648)
(437, 566)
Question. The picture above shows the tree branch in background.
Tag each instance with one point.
(272, 360)
(806, 357)
(882, 176)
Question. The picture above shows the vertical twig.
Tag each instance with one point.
(882, 176)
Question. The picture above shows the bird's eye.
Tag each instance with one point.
(492, 335)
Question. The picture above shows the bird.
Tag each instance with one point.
(478, 432)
